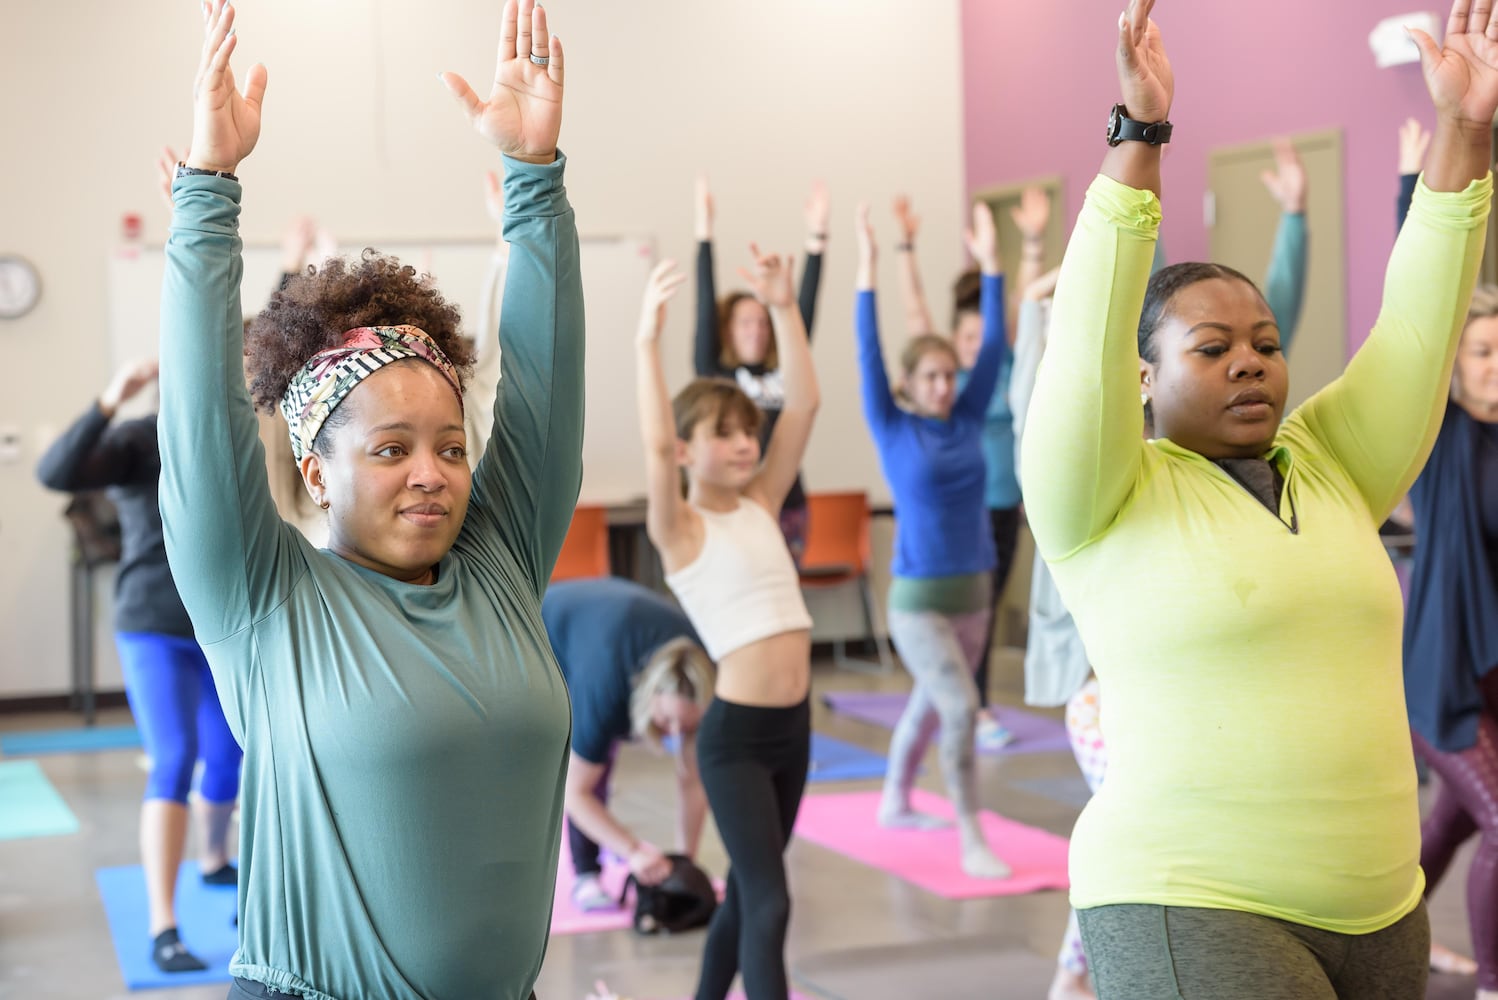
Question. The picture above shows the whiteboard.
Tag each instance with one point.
(614, 271)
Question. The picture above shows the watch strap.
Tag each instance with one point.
(1126, 129)
(183, 170)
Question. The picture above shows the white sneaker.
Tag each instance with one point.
(588, 895)
(991, 734)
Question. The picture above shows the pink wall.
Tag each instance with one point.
(1038, 81)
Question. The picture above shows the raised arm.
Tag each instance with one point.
(912, 292)
(483, 384)
(230, 553)
(1082, 447)
(528, 480)
(770, 281)
(1285, 281)
(817, 212)
(673, 527)
(983, 243)
(707, 348)
(879, 407)
(1381, 417)
(1031, 216)
(87, 456)
(1413, 142)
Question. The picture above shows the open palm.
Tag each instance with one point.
(523, 115)
(226, 123)
(1462, 73)
(1144, 74)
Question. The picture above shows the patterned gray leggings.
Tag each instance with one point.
(941, 651)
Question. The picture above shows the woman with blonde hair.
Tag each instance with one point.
(635, 669)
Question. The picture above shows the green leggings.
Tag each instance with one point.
(1143, 952)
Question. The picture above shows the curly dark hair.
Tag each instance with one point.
(313, 311)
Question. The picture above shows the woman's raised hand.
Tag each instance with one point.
(523, 115)
(770, 280)
(1144, 77)
(1413, 142)
(1287, 182)
(225, 123)
(1033, 212)
(702, 209)
(817, 211)
(660, 288)
(982, 239)
(910, 223)
(1462, 73)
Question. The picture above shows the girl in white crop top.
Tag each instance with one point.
(728, 564)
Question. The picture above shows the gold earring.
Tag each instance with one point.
(325, 504)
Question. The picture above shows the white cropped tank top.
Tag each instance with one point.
(743, 586)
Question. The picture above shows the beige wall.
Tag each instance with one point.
(765, 96)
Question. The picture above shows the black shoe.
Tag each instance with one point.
(171, 955)
(225, 874)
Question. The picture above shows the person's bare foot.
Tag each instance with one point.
(1070, 986)
(979, 861)
(1443, 959)
(897, 815)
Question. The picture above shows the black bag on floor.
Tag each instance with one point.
(683, 901)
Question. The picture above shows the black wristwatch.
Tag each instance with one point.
(1122, 128)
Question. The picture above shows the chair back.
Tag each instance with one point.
(585, 550)
(837, 537)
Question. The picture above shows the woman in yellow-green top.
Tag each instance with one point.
(1258, 835)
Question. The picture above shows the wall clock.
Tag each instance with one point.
(20, 286)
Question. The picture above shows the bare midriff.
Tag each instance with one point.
(773, 672)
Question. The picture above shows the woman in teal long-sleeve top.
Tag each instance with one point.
(404, 722)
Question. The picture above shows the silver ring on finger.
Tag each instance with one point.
(540, 60)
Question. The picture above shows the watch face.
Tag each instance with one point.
(1114, 121)
(20, 287)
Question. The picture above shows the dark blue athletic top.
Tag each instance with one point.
(123, 459)
(602, 631)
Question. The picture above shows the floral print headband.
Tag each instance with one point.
(329, 376)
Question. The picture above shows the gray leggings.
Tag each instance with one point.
(1142, 952)
(941, 652)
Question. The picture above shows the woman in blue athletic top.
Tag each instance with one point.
(634, 668)
(940, 598)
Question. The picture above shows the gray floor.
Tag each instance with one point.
(856, 933)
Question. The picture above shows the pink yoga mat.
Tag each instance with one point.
(848, 824)
(568, 919)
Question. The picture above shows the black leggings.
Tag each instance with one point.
(753, 763)
(1004, 523)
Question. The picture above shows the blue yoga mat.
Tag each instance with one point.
(70, 740)
(205, 919)
(834, 760)
(29, 805)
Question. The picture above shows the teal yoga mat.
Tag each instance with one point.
(29, 805)
(83, 740)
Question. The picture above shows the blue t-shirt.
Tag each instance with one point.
(1001, 485)
(935, 468)
(602, 631)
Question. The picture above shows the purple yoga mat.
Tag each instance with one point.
(1032, 733)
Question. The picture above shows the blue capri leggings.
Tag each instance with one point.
(176, 706)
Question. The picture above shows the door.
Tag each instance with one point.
(1242, 219)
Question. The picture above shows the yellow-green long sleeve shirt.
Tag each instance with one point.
(1259, 755)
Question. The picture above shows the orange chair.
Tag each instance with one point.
(838, 553)
(585, 550)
